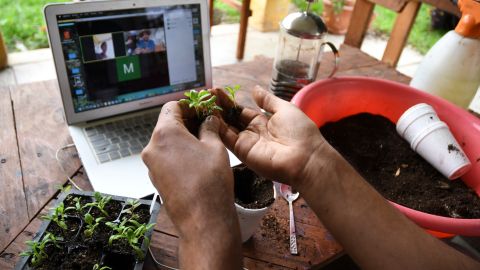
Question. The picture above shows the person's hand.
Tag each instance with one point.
(194, 178)
(279, 147)
(192, 175)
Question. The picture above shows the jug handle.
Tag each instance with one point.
(336, 54)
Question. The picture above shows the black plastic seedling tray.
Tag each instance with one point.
(127, 261)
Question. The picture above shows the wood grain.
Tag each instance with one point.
(399, 35)
(362, 12)
(13, 207)
(10, 255)
(395, 5)
(41, 130)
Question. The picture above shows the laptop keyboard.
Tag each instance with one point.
(121, 138)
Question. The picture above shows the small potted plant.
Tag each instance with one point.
(253, 194)
(253, 197)
(87, 230)
(337, 14)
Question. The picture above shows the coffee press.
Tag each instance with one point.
(299, 52)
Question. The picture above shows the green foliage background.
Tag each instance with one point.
(21, 21)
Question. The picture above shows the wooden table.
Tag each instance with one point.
(32, 128)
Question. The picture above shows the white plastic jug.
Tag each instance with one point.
(451, 69)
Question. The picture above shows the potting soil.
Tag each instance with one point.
(372, 146)
(251, 190)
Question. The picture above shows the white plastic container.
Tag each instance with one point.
(451, 69)
(415, 119)
(431, 139)
(249, 219)
(475, 104)
(436, 144)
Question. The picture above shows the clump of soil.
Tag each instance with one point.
(372, 146)
(272, 229)
(252, 191)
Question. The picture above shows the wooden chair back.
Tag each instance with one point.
(407, 12)
(245, 13)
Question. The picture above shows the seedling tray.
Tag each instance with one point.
(75, 241)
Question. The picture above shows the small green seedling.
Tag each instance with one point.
(99, 203)
(231, 91)
(37, 249)
(91, 224)
(58, 216)
(203, 102)
(78, 206)
(132, 205)
(133, 232)
(64, 189)
(98, 267)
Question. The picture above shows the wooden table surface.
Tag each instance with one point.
(32, 128)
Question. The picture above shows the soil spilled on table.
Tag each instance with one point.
(272, 229)
(251, 190)
(372, 146)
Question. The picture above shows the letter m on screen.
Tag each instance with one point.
(128, 68)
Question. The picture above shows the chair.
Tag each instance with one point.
(407, 12)
(245, 13)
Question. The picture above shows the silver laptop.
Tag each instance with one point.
(117, 62)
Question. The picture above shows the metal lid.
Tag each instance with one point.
(304, 25)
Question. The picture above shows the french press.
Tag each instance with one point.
(299, 52)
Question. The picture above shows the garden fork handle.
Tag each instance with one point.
(293, 235)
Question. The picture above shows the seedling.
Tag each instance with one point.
(203, 102)
(133, 232)
(99, 203)
(91, 224)
(77, 207)
(63, 189)
(231, 91)
(37, 249)
(98, 267)
(58, 216)
(132, 205)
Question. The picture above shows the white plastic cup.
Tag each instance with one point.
(249, 219)
(436, 144)
(415, 119)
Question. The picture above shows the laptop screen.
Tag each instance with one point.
(114, 57)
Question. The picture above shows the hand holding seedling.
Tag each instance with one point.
(277, 147)
(193, 177)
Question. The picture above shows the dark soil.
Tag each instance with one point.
(232, 117)
(118, 261)
(272, 229)
(81, 258)
(251, 190)
(100, 235)
(371, 144)
(73, 226)
(55, 257)
(140, 214)
(113, 209)
(69, 200)
(78, 252)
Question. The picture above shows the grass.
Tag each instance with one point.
(22, 22)
(421, 36)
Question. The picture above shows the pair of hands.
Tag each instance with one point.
(193, 174)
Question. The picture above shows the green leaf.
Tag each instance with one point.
(88, 218)
(62, 224)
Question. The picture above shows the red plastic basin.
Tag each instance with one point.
(336, 98)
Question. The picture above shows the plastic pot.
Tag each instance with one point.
(336, 98)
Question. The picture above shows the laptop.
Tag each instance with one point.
(117, 62)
